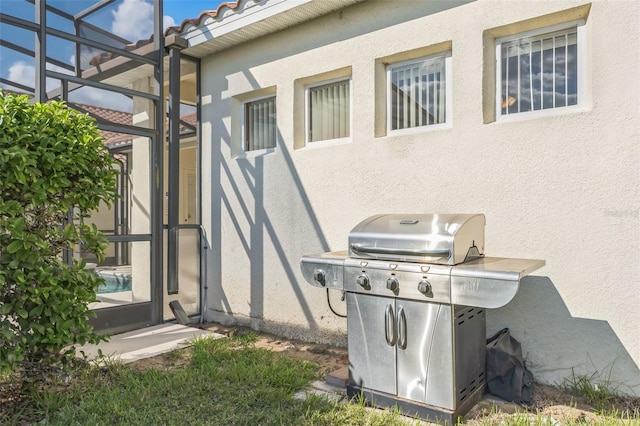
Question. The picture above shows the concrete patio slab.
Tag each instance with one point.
(146, 342)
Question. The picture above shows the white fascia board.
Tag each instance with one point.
(212, 28)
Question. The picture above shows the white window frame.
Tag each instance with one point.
(581, 72)
(448, 89)
(254, 152)
(307, 108)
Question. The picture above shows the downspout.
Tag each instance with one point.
(174, 44)
(204, 245)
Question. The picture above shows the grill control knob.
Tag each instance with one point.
(320, 276)
(424, 287)
(393, 284)
(363, 281)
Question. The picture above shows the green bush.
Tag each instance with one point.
(52, 161)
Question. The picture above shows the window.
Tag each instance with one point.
(329, 111)
(260, 124)
(417, 93)
(538, 72)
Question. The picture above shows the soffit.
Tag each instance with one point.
(230, 25)
(228, 28)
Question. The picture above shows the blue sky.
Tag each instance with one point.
(187, 9)
(129, 19)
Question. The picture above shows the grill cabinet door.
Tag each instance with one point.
(425, 348)
(372, 361)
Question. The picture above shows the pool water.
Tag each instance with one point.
(114, 282)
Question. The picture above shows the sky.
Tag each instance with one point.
(129, 19)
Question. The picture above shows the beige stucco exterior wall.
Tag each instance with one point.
(564, 187)
(141, 196)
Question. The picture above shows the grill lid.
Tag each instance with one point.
(446, 239)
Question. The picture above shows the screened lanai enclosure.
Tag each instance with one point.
(144, 96)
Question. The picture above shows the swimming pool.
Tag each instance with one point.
(114, 281)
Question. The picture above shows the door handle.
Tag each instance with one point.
(402, 329)
(389, 326)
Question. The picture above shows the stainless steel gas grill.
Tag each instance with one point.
(417, 287)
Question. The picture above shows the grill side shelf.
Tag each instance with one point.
(490, 282)
(324, 270)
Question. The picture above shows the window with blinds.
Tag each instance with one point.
(538, 72)
(417, 93)
(260, 124)
(329, 111)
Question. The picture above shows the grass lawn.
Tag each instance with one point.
(229, 381)
(214, 382)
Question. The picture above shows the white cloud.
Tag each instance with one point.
(168, 21)
(133, 20)
(22, 73)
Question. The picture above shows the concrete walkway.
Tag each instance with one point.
(146, 342)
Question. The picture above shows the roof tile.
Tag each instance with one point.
(106, 56)
(207, 13)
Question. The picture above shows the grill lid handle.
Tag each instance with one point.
(400, 251)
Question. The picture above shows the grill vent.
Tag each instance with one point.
(472, 386)
(467, 315)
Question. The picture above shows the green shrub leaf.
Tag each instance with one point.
(52, 160)
(14, 246)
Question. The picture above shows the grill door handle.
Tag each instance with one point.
(402, 329)
(400, 251)
(389, 326)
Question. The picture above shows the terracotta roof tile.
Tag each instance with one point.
(113, 139)
(106, 56)
(111, 115)
(207, 13)
(191, 119)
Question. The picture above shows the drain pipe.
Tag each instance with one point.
(204, 246)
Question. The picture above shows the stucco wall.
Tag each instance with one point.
(564, 187)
